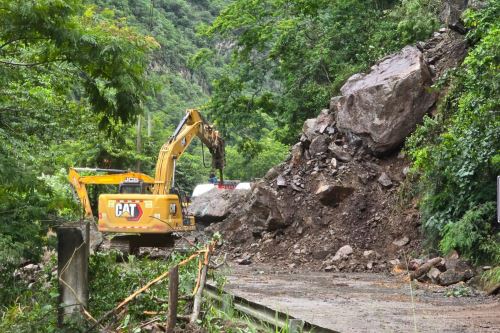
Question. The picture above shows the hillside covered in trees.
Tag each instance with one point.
(103, 83)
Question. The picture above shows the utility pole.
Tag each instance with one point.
(138, 142)
(149, 124)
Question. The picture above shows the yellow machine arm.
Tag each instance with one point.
(193, 124)
(79, 183)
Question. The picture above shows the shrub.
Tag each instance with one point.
(456, 153)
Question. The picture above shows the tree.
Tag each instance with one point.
(64, 69)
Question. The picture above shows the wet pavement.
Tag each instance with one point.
(363, 302)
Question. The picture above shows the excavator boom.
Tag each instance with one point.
(193, 124)
(114, 177)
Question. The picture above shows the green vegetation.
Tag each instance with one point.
(491, 277)
(65, 69)
(104, 271)
(456, 153)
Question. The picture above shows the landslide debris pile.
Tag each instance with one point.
(335, 203)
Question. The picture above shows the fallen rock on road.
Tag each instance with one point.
(215, 205)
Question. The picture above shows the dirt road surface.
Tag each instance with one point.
(363, 302)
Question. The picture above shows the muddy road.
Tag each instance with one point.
(363, 302)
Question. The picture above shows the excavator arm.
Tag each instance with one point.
(119, 176)
(193, 124)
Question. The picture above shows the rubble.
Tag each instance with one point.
(339, 185)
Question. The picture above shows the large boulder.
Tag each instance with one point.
(215, 205)
(385, 105)
(266, 210)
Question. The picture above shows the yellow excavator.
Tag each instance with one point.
(147, 211)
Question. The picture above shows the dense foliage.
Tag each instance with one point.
(65, 69)
(456, 153)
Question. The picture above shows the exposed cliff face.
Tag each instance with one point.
(336, 203)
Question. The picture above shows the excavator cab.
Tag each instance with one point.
(134, 185)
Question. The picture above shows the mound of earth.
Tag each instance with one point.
(317, 206)
(336, 203)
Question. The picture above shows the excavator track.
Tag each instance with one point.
(130, 244)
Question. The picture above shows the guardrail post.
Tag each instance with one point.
(173, 297)
(72, 272)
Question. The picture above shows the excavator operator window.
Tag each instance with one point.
(133, 186)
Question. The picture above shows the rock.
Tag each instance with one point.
(308, 129)
(445, 51)
(271, 173)
(452, 255)
(424, 268)
(401, 241)
(281, 181)
(320, 255)
(332, 195)
(334, 104)
(297, 153)
(30, 268)
(333, 163)
(263, 211)
(317, 126)
(450, 277)
(339, 153)
(215, 205)
(456, 264)
(319, 145)
(324, 121)
(296, 187)
(343, 252)
(368, 253)
(244, 261)
(414, 264)
(384, 180)
(385, 105)
(369, 265)
(493, 290)
(329, 268)
(433, 274)
(394, 262)
(451, 14)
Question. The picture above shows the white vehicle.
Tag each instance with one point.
(243, 186)
(201, 188)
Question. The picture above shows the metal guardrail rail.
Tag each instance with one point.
(262, 314)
